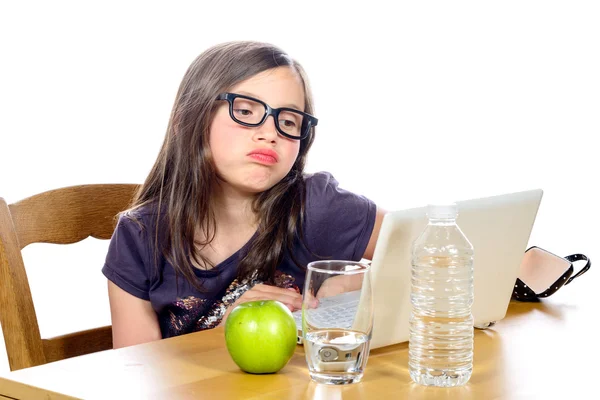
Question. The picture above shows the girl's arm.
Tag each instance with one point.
(370, 250)
(133, 319)
(341, 284)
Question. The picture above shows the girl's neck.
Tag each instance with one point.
(232, 207)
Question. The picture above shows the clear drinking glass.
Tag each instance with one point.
(337, 320)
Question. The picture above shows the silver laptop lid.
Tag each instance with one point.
(498, 227)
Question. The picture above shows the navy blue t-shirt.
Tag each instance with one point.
(338, 225)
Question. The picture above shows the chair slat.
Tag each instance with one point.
(71, 214)
(77, 344)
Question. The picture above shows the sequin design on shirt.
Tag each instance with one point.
(180, 316)
(191, 314)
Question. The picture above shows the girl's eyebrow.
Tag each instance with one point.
(289, 105)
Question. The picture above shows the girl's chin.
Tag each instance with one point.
(252, 182)
(251, 186)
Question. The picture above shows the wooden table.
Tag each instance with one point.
(539, 351)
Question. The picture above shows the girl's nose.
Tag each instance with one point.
(267, 131)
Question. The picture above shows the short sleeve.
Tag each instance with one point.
(127, 259)
(338, 223)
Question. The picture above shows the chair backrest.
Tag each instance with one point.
(60, 216)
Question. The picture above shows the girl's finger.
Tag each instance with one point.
(285, 298)
(274, 289)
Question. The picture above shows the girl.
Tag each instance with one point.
(226, 214)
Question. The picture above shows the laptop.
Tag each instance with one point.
(498, 227)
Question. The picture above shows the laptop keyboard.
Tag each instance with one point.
(333, 312)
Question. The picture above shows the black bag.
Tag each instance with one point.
(543, 273)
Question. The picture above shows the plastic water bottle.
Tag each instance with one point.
(440, 351)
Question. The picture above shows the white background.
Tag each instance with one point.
(415, 101)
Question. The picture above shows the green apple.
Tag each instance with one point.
(261, 336)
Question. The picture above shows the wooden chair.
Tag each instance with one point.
(61, 216)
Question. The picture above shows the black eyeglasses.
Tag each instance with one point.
(248, 111)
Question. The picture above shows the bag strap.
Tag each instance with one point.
(578, 257)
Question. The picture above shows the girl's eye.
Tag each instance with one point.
(243, 112)
(287, 123)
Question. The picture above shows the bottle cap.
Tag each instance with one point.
(442, 211)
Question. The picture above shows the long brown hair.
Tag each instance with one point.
(182, 180)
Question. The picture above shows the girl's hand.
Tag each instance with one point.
(339, 284)
(289, 297)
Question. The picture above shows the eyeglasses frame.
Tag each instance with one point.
(311, 121)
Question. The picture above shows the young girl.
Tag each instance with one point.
(226, 214)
